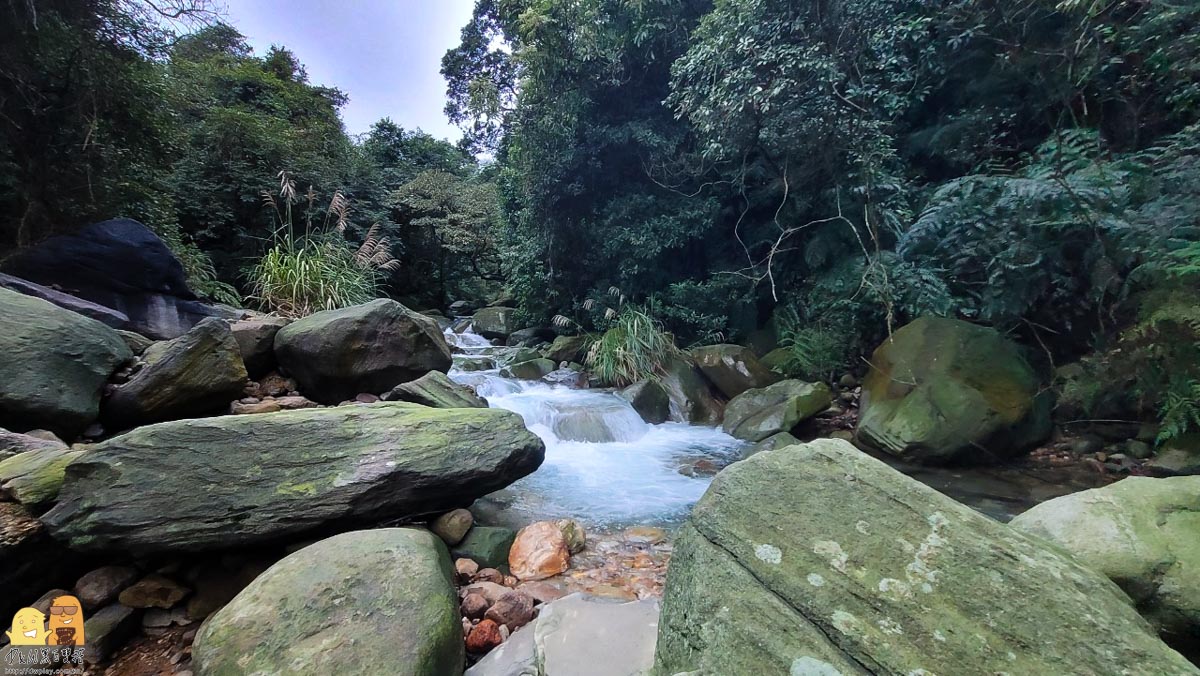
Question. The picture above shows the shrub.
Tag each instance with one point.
(321, 270)
(634, 348)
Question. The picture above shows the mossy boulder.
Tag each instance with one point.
(256, 340)
(757, 414)
(534, 369)
(365, 602)
(568, 349)
(818, 559)
(195, 374)
(495, 323)
(33, 478)
(692, 398)
(336, 355)
(12, 443)
(437, 390)
(942, 391)
(486, 545)
(55, 365)
(238, 480)
(732, 368)
(649, 398)
(771, 443)
(1144, 534)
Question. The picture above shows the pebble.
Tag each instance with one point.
(474, 605)
(514, 610)
(483, 637)
(466, 569)
(489, 575)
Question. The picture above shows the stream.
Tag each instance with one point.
(605, 466)
(608, 469)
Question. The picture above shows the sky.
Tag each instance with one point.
(385, 54)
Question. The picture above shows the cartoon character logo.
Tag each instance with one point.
(66, 622)
(28, 627)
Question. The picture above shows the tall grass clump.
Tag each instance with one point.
(634, 348)
(319, 270)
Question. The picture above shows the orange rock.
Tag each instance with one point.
(540, 551)
(483, 637)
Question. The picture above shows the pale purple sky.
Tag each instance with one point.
(385, 54)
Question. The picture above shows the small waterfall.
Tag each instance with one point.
(467, 340)
(604, 464)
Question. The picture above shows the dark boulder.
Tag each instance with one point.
(338, 354)
(732, 368)
(649, 399)
(256, 340)
(531, 337)
(195, 374)
(494, 322)
(121, 265)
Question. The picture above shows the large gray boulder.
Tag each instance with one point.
(732, 368)
(495, 323)
(365, 602)
(55, 365)
(256, 340)
(579, 635)
(122, 265)
(818, 559)
(338, 354)
(237, 480)
(437, 390)
(195, 374)
(1144, 534)
(942, 391)
(692, 400)
(568, 349)
(757, 414)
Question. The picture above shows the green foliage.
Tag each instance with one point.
(814, 352)
(634, 348)
(319, 270)
(296, 278)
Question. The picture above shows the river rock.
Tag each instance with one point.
(34, 478)
(688, 391)
(55, 365)
(534, 369)
(337, 354)
(732, 368)
(494, 322)
(364, 602)
(880, 575)
(1178, 457)
(568, 349)
(153, 591)
(944, 391)
(12, 443)
(781, 440)
(107, 630)
(461, 308)
(487, 546)
(236, 480)
(101, 586)
(539, 551)
(514, 610)
(138, 344)
(567, 377)
(579, 635)
(757, 414)
(531, 337)
(452, 526)
(122, 265)
(1144, 534)
(256, 340)
(437, 390)
(483, 637)
(649, 399)
(197, 373)
(574, 535)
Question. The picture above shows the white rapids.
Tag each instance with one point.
(604, 465)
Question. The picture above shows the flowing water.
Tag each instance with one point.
(604, 465)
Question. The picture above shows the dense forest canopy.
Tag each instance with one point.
(819, 172)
